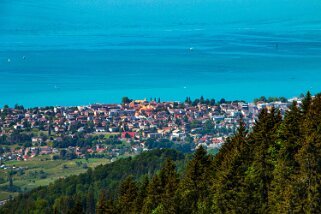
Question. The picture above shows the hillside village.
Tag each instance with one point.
(110, 130)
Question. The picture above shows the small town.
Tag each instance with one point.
(110, 130)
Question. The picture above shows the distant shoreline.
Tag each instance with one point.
(147, 100)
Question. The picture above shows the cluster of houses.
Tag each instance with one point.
(203, 124)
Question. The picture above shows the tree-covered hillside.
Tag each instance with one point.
(84, 190)
(275, 168)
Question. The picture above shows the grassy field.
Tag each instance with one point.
(5, 195)
(42, 171)
(106, 134)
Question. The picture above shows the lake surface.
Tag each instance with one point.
(76, 52)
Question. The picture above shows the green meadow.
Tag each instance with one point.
(41, 171)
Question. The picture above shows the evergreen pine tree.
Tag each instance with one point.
(90, 202)
(259, 173)
(306, 102)
(287, 145)
(229, 186)
(142, 194)
(77, 208)
(127, 195)
(154, 191)
(101, 207)
(194, 189)
(309, 158)
(169, 182)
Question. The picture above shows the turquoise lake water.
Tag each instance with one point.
(75, 52)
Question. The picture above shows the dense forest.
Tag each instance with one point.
(274, 168)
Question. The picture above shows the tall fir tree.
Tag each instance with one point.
(287, 145)
(127, 195)
(229, 181)
(161, 190)
(194, 189)
(309, 159)
(101, 204)
(90, 202)
(306, 102)
(142, 194)
(154, 191)
(259, 173)
(169, 182)
(77, 207)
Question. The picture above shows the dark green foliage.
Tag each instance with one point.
(161, 190)
(17, 137)
(270, 99)
(230, 186)
(167, 144)
(125, 100)
(142, 194)
(90, 201)
(201, 100)
(259, 174)
(154, 190)
(309, 159)
(194, 187)
(127, 195)
(287, 145)
(306, 102)
(275, 168)
(59, 195)
(102, 204)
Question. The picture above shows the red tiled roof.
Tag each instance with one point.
(131, 134)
